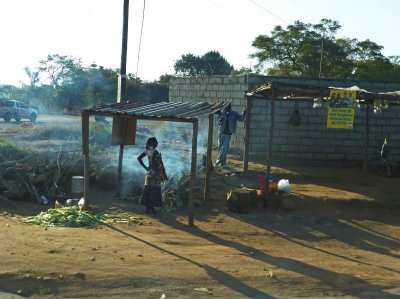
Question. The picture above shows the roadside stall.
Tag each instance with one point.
(125, 117)
(278, 91)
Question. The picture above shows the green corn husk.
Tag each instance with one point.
(115, 216)
(73, 217)
(66, 216)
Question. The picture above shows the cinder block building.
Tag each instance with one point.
(312, 140)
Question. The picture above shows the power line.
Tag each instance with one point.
(303, 7)
(268, 11)
(140, 39)
(235, 15)
(78, 30)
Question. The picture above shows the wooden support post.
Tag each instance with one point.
(271, 136)
(247, 136)
(209, 156)
(85, 151)
(119, 177)
(366, 138)
(193, 172)
(121, 156)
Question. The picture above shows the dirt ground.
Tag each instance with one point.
(342, 239)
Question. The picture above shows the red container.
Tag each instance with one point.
(262, 184)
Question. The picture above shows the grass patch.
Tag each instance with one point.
(10, 151)
(99, 134)
(57, 133)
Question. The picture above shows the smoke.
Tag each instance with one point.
(174, 144)
(62, 133)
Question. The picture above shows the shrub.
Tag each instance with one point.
(10, 151)
(99, 134)
(57, 133)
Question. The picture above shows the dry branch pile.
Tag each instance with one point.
(39, 174)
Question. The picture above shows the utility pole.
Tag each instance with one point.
(322, 53)
(122, 78)
(121, 97)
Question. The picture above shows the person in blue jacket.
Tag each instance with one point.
(227, 121)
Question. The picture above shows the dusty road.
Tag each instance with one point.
(342, 240)
(46, 119)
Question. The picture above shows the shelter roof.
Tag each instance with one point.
(303, 90)
(173, 111)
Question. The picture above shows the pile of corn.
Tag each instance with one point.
(65, 216)
(74, 217)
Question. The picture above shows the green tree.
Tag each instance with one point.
(301, 49)
(376, 69)
(9, 91)
(215, 64)
(210, 64)
(33, 76)
(58, 68)
(188, 65)
(242, 70)
(371, 64)
(147, 92)
(395, 60)
(312, 50)
(62, 83)
(164, 79)
(101, 85)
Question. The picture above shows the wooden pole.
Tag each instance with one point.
(249, 102)
(121, 155)
(119, 177)
(366, 139)
(193, 172)
(209, 156)
(271, 136)
(85, 151)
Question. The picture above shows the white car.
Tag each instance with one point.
(17, 110)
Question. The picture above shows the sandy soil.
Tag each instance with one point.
(341, 240)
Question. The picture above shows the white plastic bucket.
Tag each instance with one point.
(77, 184)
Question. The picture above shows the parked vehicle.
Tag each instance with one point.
(17, 110)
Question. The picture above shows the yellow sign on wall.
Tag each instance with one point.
(341, 109)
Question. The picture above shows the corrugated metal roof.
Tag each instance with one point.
(170, 110)
(300, 90)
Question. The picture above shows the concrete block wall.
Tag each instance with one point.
(312, 140)
(216, 89)
(309, 141)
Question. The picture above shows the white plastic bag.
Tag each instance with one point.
(284, 186)
(81, 203)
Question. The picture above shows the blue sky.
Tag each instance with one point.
(92, 29)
